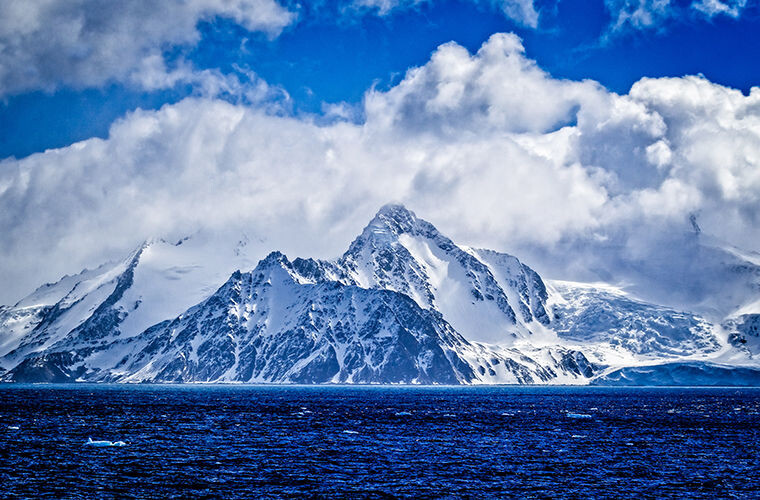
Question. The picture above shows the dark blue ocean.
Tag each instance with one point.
(379, 442)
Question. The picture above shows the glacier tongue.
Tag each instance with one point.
(404, 304)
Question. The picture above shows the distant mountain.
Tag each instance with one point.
(118, 300)
(404, 304)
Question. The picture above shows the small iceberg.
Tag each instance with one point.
(104, 444)
(577, 415)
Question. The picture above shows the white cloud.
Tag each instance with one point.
(638, 14)
(521, 11)
(495, 90)
(655, 14)
(384, 7)
(712, 8)
(45, 44)
(489, 147)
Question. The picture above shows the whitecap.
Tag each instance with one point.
(577, 415)
(104, 444)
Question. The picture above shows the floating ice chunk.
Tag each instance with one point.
(104, 444)
(402, 413)
(350, 432)
(577, 415)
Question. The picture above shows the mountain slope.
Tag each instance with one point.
(397, 251)
(277, 325)
(404, 304)
(605, 315)
(120, 299)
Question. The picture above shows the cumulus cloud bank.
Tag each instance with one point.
(45, 44)
(488, 146)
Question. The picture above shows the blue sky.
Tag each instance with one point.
(332, 53)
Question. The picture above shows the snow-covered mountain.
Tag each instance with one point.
(157, 280)
(486, 296)
(404, 304)
(599, 314)
(280, 323)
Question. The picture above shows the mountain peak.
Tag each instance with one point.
(394, 210)
(397, 218)
(276, 258)
(391, 221)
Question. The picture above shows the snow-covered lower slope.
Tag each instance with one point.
(604, 315)
(744, 333)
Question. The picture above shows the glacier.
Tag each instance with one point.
(403, 305)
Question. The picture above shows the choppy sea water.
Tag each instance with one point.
(377, 442)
